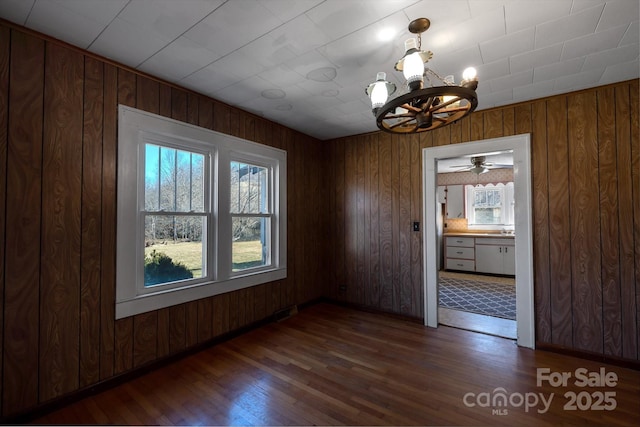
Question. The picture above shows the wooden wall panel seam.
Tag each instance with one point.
(537, 124)
(559, 220)
(61, 225)
(624, 218)
(5, 47)
(585, 226)
(23, 208)
(91, 268)
(108, 244)
(634, 103)
(609, 226)
(124, 328)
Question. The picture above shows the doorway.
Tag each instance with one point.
(520, 146)
(476, 280)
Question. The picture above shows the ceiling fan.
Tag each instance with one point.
(479, 165)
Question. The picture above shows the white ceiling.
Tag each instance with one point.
(493, 160)
(306, 63)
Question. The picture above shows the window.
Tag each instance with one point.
(176, 214)
(489, 205)
(250, 216)
(199, 213)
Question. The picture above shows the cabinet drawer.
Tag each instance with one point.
(461, 264)
(459, 252)
(461, 241)
(504, 241)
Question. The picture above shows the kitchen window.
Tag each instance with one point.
(489, 206)
(199, 213)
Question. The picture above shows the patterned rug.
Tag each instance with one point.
(488, 298)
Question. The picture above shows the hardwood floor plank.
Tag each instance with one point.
(331, 365)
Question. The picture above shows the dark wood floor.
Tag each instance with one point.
(330, 365)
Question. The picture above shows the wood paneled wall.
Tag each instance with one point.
(586, 200)
(58, 141)
(356, 196)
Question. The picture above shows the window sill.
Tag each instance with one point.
(166, 298)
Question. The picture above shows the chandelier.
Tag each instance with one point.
(421, 108)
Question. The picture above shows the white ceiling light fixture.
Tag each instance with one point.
(421, 108)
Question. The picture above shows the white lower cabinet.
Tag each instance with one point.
(495, 255)
(509, 260)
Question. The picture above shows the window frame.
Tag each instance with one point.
(136, 128)
(226, 226)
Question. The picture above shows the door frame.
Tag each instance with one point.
(520, 144)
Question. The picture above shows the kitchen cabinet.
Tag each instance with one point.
(495, 255)
(459, 253)
(455, 202)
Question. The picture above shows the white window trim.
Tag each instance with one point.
(134, 128)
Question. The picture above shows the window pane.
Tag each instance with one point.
(189, 182)
(174, 180)
(174, 248)
(249, 247)
(248, 188)
(497, 199)
(167, 179)
(183, 181)
(487, 216)
(197, 183)
(152, 178)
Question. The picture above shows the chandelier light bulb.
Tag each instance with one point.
(469, 74)
(379, 93)
(413, 65)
